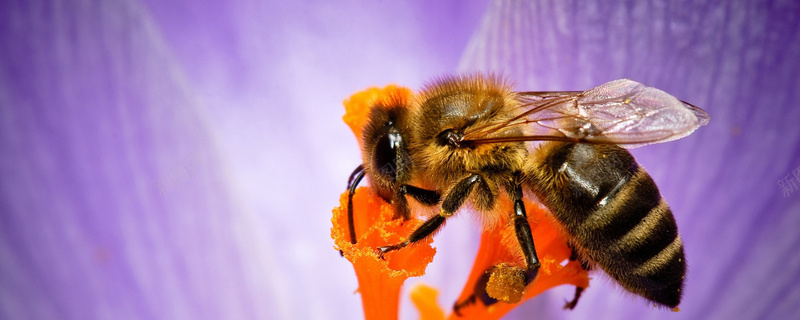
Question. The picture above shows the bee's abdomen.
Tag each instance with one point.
(634, 238)
(616, 216)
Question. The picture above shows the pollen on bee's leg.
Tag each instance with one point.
(379, 280)
(506, 283)
(501, 256)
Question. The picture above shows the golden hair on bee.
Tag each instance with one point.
(458, 106)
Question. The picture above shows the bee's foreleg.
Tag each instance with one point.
(352, 183)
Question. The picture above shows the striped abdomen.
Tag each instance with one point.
(615, 215)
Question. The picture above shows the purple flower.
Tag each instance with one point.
(180, 160)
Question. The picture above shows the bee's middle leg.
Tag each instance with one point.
(452, 202)
(423, 196)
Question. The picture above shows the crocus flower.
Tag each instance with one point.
(179, 160)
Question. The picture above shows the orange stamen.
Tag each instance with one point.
(379, 280)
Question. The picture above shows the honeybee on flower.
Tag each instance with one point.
(472, 140)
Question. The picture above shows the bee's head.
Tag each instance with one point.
(384, 147)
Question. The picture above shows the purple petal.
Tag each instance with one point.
(175, 160)
(114, 200)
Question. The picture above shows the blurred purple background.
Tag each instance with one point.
(180, 160)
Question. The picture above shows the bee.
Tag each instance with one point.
(473, 140)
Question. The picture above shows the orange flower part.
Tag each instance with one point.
(358, 105)
(379, 280)
(424, 298)
(501, 255)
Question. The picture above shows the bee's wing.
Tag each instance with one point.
(621, 112)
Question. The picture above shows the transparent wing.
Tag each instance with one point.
(621, 112)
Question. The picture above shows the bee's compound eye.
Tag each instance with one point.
(386, 150)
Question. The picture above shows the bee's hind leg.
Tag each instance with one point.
(478, 293)
(524, 234)
(507, 282)
(569, 305)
